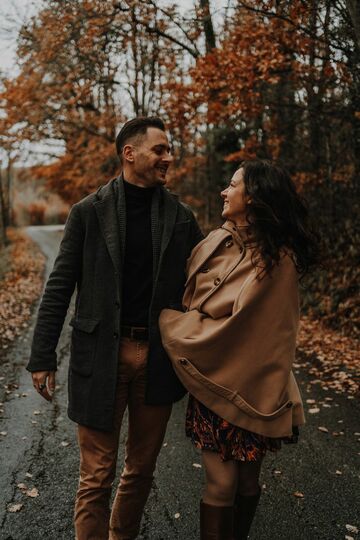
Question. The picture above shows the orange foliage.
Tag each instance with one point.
(37, 213)
(20, 286)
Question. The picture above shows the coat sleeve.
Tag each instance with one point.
(195, 235)
(60, 286)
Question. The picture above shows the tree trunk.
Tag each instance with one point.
(210, 44)
(208, 26)
(2, 212)
(353, 7)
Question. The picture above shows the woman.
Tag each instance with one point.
(234, 346)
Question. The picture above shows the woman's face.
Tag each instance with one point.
(235, 199)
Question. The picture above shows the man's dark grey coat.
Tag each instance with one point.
(90, 258)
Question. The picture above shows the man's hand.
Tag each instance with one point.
(44, 383)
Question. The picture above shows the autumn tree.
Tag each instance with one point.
(79, 80)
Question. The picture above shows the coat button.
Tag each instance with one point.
(217, 281)
(183, 361)
(289, 405)
(229, 243)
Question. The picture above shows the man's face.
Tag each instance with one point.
(150, 158)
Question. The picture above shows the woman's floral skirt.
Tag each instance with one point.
(210, 432)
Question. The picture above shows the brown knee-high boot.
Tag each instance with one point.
(244, 512)
(216, 522)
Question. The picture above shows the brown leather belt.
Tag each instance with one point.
(134, 332)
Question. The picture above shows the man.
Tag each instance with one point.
(125, 249)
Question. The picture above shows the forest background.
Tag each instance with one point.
(232, 80)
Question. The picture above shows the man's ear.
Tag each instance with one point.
(128, 153)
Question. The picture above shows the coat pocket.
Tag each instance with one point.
(83, 345)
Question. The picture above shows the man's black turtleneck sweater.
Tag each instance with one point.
(138, 257)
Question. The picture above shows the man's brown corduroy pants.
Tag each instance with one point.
(99, 450)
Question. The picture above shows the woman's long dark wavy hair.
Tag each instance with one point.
(278, 218)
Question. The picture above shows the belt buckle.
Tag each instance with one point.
(132, 333)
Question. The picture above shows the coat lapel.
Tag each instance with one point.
(169, 217)
(111, 211)
(205, 251)
(106, 210)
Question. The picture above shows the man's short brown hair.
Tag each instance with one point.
(134, 127)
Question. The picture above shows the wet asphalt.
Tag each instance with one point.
(38, 439)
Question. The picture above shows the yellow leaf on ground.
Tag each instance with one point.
(15, 507)
(32, 492)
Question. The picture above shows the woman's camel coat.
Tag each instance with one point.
(234, 346)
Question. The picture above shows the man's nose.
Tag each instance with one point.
(168, 158)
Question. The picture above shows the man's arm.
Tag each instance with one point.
(55, 302)
(196, 234)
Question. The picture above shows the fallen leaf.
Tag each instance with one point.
(196, 465)
(15, 507)
(314, 410)
(36, 412)
(22, 487)
(64, 443)
(323, 429)
(28, 475)
(3, 433)
(32, 492)
(310, 401)
(352, 529)
(177, 515)
(298, 494)
(277, 471)
(339, 473)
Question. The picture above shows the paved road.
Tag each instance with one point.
(40, 441)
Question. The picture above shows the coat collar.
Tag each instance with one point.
(111, 210)
(207, 247)
(205, 250)
(240, 234)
